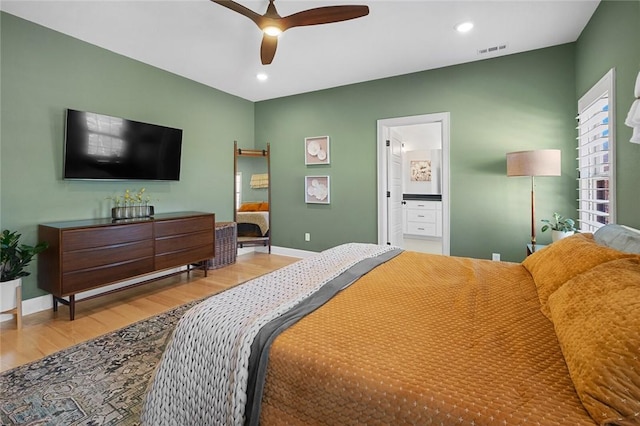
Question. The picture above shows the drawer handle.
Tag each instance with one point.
(421, 229)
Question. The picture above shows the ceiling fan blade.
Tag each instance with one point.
(245, 11)
(324, 15)
(268, 49)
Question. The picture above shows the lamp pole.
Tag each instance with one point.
(533, 212)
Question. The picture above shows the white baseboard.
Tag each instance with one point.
(43, 303)
(285, 251)
(245, 250)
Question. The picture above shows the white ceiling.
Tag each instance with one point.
(210, 44)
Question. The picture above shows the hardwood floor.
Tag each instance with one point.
(47, 332)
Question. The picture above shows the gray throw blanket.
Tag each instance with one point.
(202, 377)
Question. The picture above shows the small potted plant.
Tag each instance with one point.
(14, 258)
(560, 226)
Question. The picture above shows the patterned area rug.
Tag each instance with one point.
(99, 382)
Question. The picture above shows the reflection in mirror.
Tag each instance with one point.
(250, 170)
(252, 197)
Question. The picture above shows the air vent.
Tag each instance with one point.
(492, 49)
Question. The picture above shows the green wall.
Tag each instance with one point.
(43, 72)
(612, 40)
(518, 102)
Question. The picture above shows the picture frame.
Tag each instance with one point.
(317, 190)
(316, 150)
(420, 170)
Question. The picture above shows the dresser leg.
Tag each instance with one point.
(55, 304)
(72, 307)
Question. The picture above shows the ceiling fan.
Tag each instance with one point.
(272, 24)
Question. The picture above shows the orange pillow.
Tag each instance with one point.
(559, 262)
(264, 207)
(249, 207)
(596, 316)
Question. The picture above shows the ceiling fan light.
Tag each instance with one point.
(262, 76)
(464, 27)
(272, 30)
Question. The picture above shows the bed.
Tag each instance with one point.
(252, 219)
(366, 334)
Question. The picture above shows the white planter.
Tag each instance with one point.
(8, 298)
(558, 235)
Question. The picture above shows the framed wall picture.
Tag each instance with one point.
(317, 190)
(421, 171)
(316, 150)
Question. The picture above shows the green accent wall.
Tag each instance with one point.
(44, 72)
(512, 103)
(612, 40)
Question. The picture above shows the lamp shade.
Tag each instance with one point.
(541, 162)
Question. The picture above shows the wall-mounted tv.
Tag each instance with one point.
(103, 147)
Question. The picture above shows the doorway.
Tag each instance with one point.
(413, 182)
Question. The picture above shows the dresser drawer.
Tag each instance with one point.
(106, 255)
(179, 258)
(86, 279)
(418, 228)
(428, 216)
(167, 228)
(105, 236)
(181, 242)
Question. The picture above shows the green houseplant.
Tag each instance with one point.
(560, 226)
(15, 257)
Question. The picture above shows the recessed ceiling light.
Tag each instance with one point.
(262, 76)
(464, 27)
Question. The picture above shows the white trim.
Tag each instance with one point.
(282, 251)
(606, 85)
(285, 251)
(32, 306)
(382, 135)
(246, 250)
(43, 303)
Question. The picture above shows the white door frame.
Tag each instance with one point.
(383, 129)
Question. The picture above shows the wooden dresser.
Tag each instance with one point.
(89, 254)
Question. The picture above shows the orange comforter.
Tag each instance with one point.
(424, 339)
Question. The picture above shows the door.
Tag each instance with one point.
(394, 190)
(386, 223)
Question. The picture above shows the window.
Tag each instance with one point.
(596, 155)
(238, 189)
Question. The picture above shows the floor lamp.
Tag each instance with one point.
(541, 162)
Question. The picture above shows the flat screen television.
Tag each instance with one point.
(103, 147)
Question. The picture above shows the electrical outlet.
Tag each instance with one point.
(307, 236)
(495, 256)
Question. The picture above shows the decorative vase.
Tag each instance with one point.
(131, 212)
(558, 235)
(8, 299)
